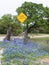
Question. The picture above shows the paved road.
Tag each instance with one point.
(1, 38)
(39, 36)
(35, 36)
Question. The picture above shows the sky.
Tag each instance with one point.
(10, 6)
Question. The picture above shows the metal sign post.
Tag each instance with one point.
(22, 17)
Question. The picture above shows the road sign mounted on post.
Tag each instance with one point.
(21, 17)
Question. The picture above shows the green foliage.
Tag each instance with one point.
(33, 11)
(16, 28)
(9, 20)
(36, 13)
(7, 63)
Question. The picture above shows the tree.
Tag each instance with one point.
(9, 25)
(34, 12)
(7, 21)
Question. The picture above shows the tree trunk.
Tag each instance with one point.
(25, 37)
(8, 36)
(26, 33)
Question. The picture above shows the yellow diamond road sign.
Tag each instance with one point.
(21, 17)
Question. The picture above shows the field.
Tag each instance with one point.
(35, 52)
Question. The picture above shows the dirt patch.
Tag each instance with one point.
(44, 61)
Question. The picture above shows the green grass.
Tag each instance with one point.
(43, 38)
(44, 42)
(28, 60)
(2, 34)
(0, 42)
(33, 34)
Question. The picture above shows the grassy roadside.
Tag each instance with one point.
(44, 42)
(41, 39)
(37, 34)
(2, 34)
